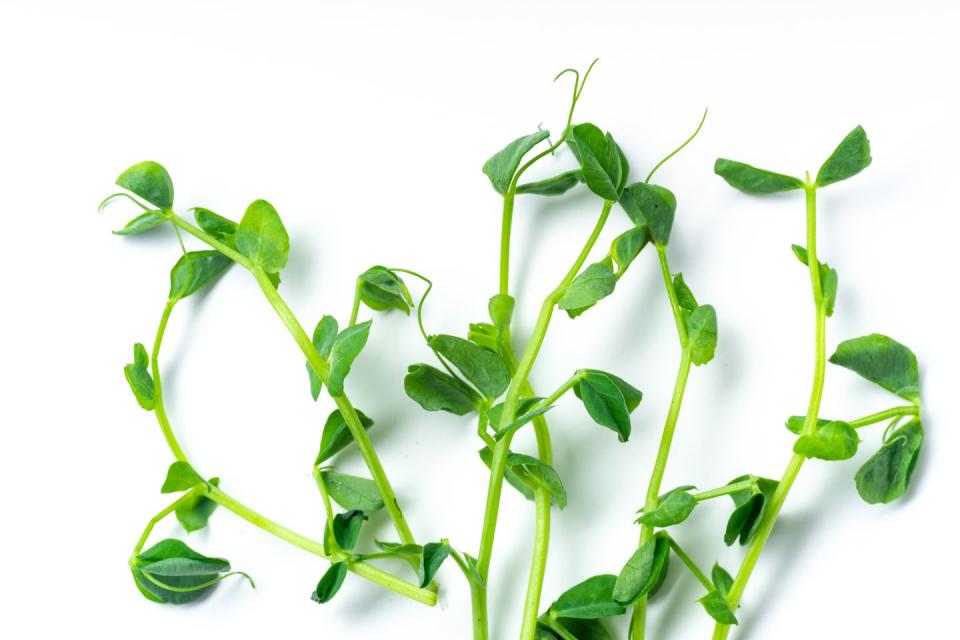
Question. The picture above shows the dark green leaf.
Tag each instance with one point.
(881, 360)
(592, 285)
(835, 440)
(337, 435)
(795, 423)
(628, 246)
(194, 271)
(139, 379)
(262, 238)
(555, 186)
(216, 225)
(323, 336)
(435, 390)
(503, 164)
(850, 157)
(642, 570)
(346, 528)
(346, 347)
(151, 182)
(382, 289)
(605, 403)
(603, 165)
(143, 222)
(582, 629)
(722, 580)
(434, 553)
(674, 507)
(702, 334)
(195, 511)
(716, 605)
(171, 563)
(685, 297)
(330, 583)
(750, 507)
(592, 598)
(180, 477)
(652, 205)
(352, 492)
(886, 475)
(536, 473)
(752, 180)
(486, 454)
(483, 368)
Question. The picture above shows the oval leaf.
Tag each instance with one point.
(346, 347)
(882, 360)
(337, 435)
(702, 334)
(262, 238)
(850, 157)
(835, 440)
(642, 570)
(602, 162)
(139, 379)
(886, 475)
(330, 583)
(555, 186)
(652, 205)
(592, 598)
(503, 164)
(194, 271)
(435, 390)
(352, 492)
(752, 180)
(483, 368)
(150, 181)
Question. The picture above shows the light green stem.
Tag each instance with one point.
(355, 310)
(639, 617)
(687, 560)
(159, 408)
(886, 414)
(721, 631)
(157, 518)
(725, 490)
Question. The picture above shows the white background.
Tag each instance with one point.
(366, 124)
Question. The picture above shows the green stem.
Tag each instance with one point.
(355, 310)
(725, 490)
(887, 414)
(638, 619)
(159, 408)
(687, 560)
(506, 225)
(538, 565)
(721, 631)
(157, 518)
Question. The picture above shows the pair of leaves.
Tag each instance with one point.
(751, 504)
(139, 378)
(195, 270)
(324, 335)
(337, 435)
(700, 321)
(828, 279)
(609, 400)
(884, 361)
(195, 510)
(170, 572)
(834, 440)
(673, 507)
(593, 598)
(653, 206)
(604, 168)
(590, 286)
(341, 349)
(381, 289)
(715, 602)
(352, 492)
(644, 571)
(262, 238)
(850, 157)
(886, 475)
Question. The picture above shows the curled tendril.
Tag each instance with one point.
(680, 148)
(113, 196)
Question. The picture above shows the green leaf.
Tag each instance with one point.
(828, 279)
(434, 553)
(382, 289)
(330, 583)
(555, 186)
(795, 423)
(603, 166)
(346, 528)
(435, 390)
(503, 164)
(716, 605)
(752, 180)
(262, 238)
(722, 580)
(143, 222)
(500, 307)
(324, 335)
(399, 549)
(673, 508)
(536, 473)
(483, 368)
(882, 360)
(702, 334)
(216, 225)
(592, 285)
(352, 492)
(850, 157)
(835, 440)
(150, 181)
(628, 246)
(180, 477)
(750, 507)
(592, 598)
(483, 334)
(337, 435)
(886, 475)
(346, 347)
(652, 205)
(170, 572)
(642, 570)
(194, 512)
(139, 379)
(486, 455)
(685, 297)
(609, 400)
(194, 271)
